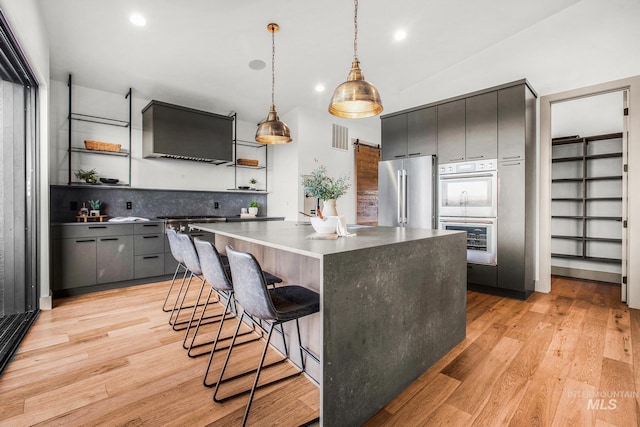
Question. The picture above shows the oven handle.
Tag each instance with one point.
(470, 175)
(467, 221)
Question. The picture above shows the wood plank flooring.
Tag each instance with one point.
(570, 357)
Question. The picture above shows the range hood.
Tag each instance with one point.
(174, 132)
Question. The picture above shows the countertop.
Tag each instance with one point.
(292, 236)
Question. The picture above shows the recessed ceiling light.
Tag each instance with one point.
(257, 64)
(137, 19)
(400, 35)
(320, 87)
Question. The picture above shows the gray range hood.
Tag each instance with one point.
(175, 132)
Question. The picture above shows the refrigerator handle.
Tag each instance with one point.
(400, 196)
(404, 196)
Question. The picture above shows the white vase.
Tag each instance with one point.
(253, 211)
(329, 207)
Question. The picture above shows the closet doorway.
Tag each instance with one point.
(589, 188)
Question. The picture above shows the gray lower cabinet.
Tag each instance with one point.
(451, 131)
(149, 254)
(104, 253)
(114, 261)
(511, 225)
(74, 262)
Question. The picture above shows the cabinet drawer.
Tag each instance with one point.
(91, 230)
(480, 274)
(148, 244)
(149, 265)
(153, 227)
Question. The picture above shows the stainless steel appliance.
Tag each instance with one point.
(482, 238)
(468, 201)
(181, 223)
(468, 189)
(406, 193)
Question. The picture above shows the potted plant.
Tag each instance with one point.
(86, 176)
(319, 185)
(253, 183)
(95, 207)
(253, 208)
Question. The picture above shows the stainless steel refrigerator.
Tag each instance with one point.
(406, 192)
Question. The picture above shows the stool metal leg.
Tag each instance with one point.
(173, 280)
(255, 382)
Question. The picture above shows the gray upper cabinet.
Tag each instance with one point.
(409, 134)
(482, 126)
(511, 123)
(394, 137)
(451, 131)
(422, 132)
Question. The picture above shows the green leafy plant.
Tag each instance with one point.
(319, 185)
(253, 181)
(87, 176)
(95, 204)
(253, 204)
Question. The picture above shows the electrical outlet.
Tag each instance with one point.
(73, 206)
(216, 205)
(129, 206)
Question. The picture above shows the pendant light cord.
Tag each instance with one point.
(273, 65)
(355, 26)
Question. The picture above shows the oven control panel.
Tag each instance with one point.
(468, 167)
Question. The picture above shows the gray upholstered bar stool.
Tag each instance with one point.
(190, 257)
(217, 274)
(173, 245)
(259, 303)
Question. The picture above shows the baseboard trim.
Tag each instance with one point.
(578, 273)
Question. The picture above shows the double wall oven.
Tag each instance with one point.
(468, 201)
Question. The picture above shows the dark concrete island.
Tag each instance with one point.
(393, 302)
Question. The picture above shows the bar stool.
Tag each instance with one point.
(190, 257)
(259, 303)
(218, 275)
(173, 245)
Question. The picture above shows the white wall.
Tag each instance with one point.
(312, 141)
(27, 25)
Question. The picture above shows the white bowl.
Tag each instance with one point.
(325, 226)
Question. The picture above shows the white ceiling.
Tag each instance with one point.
(196, 52)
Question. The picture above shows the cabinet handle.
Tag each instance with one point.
(150, 237)
(455, 160)
(97, 226)
(150, 257)
(414, 154)
(85, 241)
(510, 157)
(475, 157)
(151, 225)
(511, 164)
(108, 239)
(399, 156)
(196, 235)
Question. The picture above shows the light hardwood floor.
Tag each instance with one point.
(109, 358)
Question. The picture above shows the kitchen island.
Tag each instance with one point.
(393, 302)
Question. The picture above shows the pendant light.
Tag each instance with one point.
(272, 130)
(355, 98)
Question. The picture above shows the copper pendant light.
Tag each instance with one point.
(355, 98)
(272, 130)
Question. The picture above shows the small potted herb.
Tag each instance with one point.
(86, 176)
(253, 183)
(253, 208)
(95, 207)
